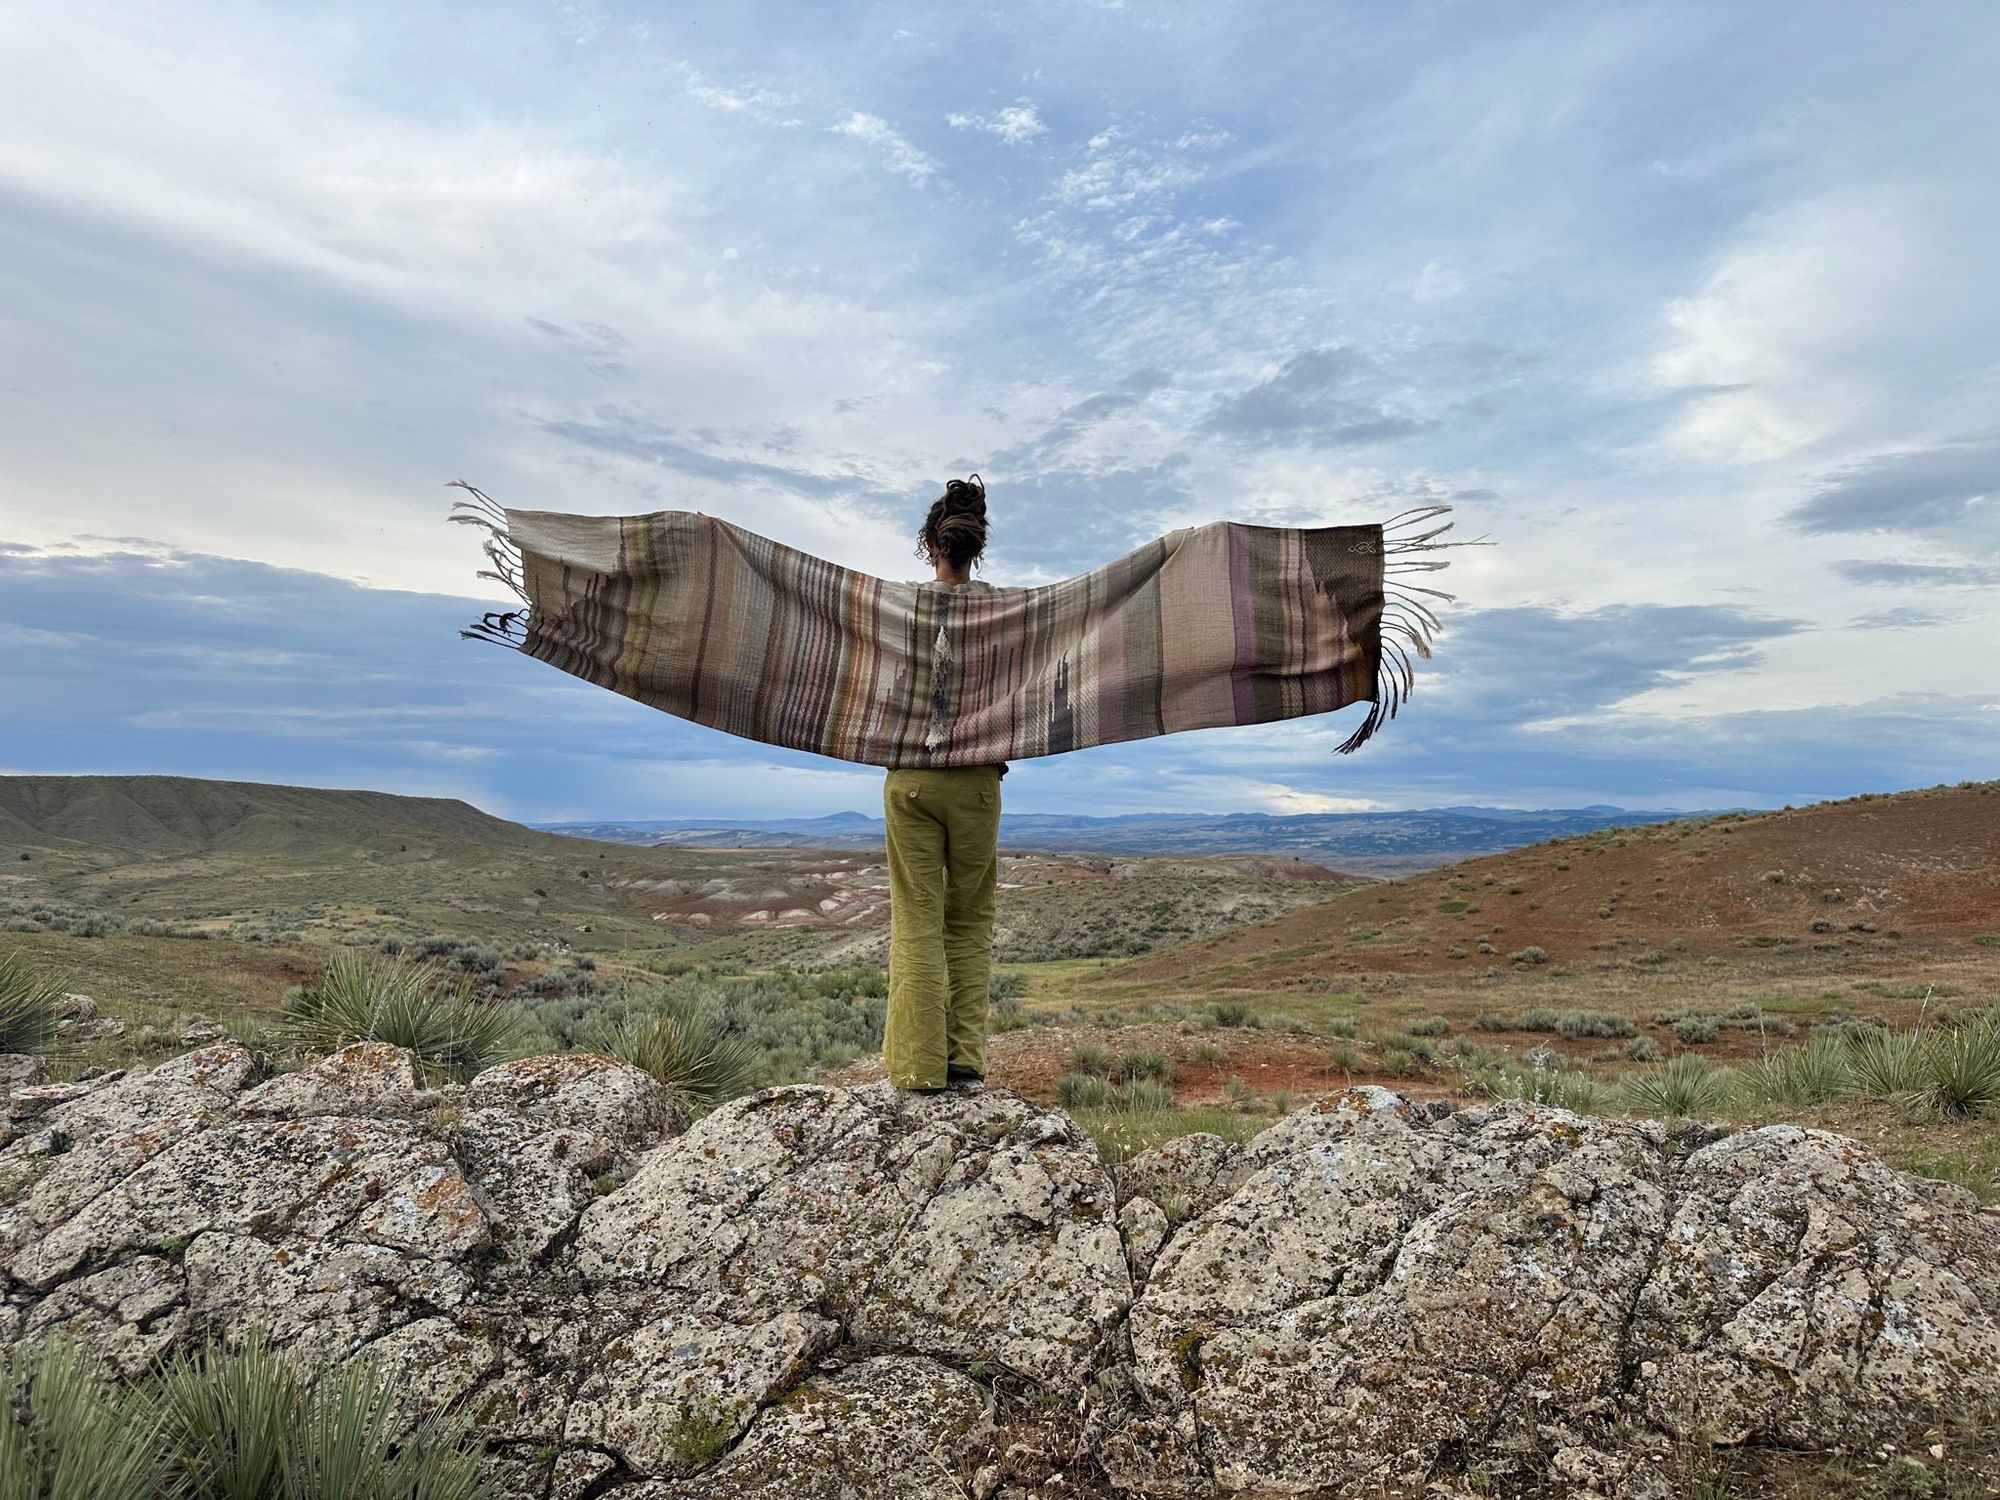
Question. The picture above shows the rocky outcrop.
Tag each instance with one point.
(849, 1293)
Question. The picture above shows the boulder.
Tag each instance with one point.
(21, 1070)
(1391, 1289)
(856, 1293)
(964, 1226)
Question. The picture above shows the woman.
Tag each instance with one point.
(943, 828)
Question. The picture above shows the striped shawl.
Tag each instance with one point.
(1206, 626)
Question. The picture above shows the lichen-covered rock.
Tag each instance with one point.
(1186, 1176)
(671, 1393)
(625, 1107)
(367, 1078)
(885, 1429)
(972, 1227)
(816, 1292)
(538, 1135)
(19, 1070)
(1824, 1293)
(1392, 1286)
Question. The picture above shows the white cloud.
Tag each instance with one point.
(1828, 318)
(1016, 124)
(898, 154)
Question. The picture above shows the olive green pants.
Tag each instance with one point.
(944, 859)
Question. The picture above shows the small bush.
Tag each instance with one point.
(362, 999)
(1642, 1049)
(1431, 1026)
(1532, 954)
(1145, 1063)
(1083, 1091)
(1579, 1023)
(30, 1006)
(1680, 1089)
(1232, 1013)
(1092, 1057)
(1239, 1095)
(1692, 1030)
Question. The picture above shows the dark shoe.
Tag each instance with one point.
(966, 1080)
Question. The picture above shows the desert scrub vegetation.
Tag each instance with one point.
(52, 916)
(1693, 1027)
(795, 1022)
(1569, 1023)
(361, 997)
(223, 1424)
(1098, 1060)
(30, 1005)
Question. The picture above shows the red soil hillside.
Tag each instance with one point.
(1859, 873)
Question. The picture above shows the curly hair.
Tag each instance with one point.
(955, 528)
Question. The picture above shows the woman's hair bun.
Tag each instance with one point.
(966, 495)
(955, 529)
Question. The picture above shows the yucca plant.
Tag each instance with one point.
(226, 1415)
(1083, 1091)
(1146, 1095)
(250, 1423)
(30, 1006)
(354, 1442)
(1891, 1064)
(690, 1049)
(65, 1435)
(1681, 1088)
(1817, 1073)
(369, 998)
(1961, 1073)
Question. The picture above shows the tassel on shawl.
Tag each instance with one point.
(509, 628)
(1407, 621)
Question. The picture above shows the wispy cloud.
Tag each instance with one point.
(1015, 124)
(897, 153)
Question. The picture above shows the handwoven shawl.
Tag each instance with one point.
(1206, 626)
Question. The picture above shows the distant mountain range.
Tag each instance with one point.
(1375, 843)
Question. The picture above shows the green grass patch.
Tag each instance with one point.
(1122, 1134)
(1913, 991)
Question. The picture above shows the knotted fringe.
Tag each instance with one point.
(509, 629)
(1408, 623)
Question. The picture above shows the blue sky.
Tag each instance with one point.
(1688, 306)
